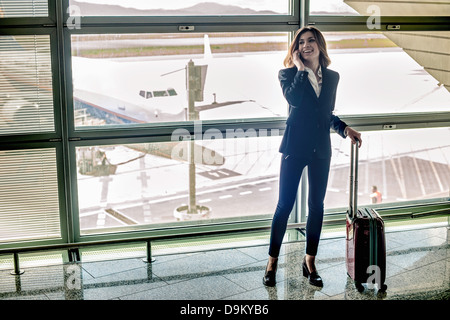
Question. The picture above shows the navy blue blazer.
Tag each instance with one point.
(307, 133)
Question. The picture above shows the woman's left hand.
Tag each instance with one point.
(354, 135)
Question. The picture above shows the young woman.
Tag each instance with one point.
(310, 90)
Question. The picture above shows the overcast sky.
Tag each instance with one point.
(277, 6)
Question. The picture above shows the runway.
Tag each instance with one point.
(148, 190)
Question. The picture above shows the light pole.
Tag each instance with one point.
(195, 82)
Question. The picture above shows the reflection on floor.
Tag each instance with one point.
(418, 268)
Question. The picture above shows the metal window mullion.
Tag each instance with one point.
(416, 20)
(376, 122)
(67, 221)
(198, 28)
(25, 22)
(176, 20)
(304, 12)
(72, 194)
(57, 58)
(360, 23)
(160, 133)
(164, 132)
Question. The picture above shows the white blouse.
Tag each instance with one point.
(317, 85)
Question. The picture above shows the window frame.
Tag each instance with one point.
(196, 20)
(49, 21)
(66, 138)
(43, 136)
(161, 132)
(375, 122)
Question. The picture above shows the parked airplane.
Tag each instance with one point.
(145, 98)
(98, 102)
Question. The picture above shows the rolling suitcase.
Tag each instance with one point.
(365, 241)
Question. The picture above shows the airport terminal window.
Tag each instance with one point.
(26, 96)
(110, 71)
(404, 165)
(331, 7)
(379, 75)
(29, 203)
(180, 7)
(128, 186)
(115, 67)
(381, 8)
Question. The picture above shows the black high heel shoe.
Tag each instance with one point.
(313, 277)
(269, 275)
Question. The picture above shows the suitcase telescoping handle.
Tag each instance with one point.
(353, 203)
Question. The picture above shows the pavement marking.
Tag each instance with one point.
(238, 185)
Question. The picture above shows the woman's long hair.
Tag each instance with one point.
(324, 59)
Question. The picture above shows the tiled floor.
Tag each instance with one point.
(418, 267)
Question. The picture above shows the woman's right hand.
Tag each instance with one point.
(298, 61)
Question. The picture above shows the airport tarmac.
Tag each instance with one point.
(403, 164)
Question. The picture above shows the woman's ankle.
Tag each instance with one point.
(272, 263)
(310, 262)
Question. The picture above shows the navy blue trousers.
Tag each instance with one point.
(290, 174)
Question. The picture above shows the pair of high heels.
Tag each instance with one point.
(269, 278)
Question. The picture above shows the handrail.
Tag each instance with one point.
(74, 255)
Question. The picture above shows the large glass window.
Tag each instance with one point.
(131, 185)
(91, 90)
(29, 203)
(380, 8)
(26, 97)
(330, 7)
(18, 9)
(403, 165)
(380, 72)
(179, 7)
(142, 78)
